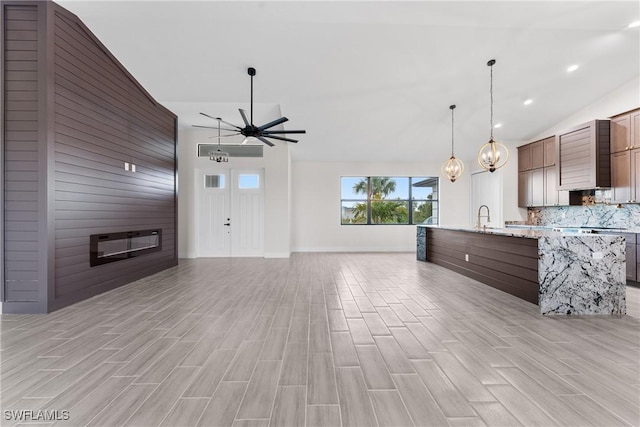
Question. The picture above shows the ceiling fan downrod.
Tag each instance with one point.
(252, 72)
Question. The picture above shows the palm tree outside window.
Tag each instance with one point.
(389, 200)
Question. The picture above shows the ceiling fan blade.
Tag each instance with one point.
(281, 138)
(225, 136)
(244, 117)
(269, 143)
(214, 127)
(270, 132)
(218, 118)
(273, 123)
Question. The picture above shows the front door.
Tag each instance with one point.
(230, 213)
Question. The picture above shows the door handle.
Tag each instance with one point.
(227, 224)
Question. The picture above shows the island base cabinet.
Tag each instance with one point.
(502, 262)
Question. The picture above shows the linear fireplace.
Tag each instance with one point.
(111, 247)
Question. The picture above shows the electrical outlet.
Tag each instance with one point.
(466, 257)
(598, 255)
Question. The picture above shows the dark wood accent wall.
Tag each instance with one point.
(502, 262)
(21, 149)
(95, 117)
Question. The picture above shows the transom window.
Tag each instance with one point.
(389, 200)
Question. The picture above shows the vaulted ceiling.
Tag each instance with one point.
(373, 80)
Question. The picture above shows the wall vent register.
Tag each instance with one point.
(112, 247)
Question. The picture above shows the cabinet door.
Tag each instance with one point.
(550, 190)
(621, 177)
(524, 158)
(537, 187)
(620, 133)
(635, 129)
(537, 155)
(577, 160)
(524, 189)
(549, 151)
(635, 175)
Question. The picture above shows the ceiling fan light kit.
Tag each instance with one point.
(452, 168)
(493, 155)
(250, 131)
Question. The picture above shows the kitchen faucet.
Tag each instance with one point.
(488, 216)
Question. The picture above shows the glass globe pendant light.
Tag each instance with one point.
(452, 168)
(493, 155)
(218, 155)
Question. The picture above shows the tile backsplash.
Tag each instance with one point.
(628, 216)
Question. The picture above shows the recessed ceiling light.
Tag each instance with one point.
(497, 125)
(634, 24)
(528, 101)
(572, 68)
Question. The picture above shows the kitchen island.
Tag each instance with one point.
(563, 273)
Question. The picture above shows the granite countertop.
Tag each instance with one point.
(527, 232)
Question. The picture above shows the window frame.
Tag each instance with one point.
(368, 200)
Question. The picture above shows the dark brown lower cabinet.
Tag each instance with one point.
(502, 262)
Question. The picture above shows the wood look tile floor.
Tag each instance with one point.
(319, 340)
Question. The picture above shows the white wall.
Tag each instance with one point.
(316, 207)
(625, 98)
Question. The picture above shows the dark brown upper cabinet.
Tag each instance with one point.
(524, 158)
(625, 158)
(537, 172)
(549, 151)
(583, 156)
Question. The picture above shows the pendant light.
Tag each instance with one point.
(453, 167)
(493, 155)
(219, 155)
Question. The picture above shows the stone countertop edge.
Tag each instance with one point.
(527, 233)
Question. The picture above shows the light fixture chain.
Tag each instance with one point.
(218, 134)
(491, 93)
(252, 100)
(452, 132)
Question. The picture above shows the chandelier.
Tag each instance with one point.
(452, 168)
(493, 155)
(219, 155)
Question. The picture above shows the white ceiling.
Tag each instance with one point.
(373, 80)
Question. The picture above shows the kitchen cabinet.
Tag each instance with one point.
(625, 158)
(553, 197)
(531, 188)
(537, 155)
(549, 151)
(537, 176)
(524, 158)
(583, 156)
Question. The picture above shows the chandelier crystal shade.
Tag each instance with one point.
(219, 155)
(452, 169)
(493, 155)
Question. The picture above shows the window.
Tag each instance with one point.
(389, 200)
(214, 181)
(248, 181)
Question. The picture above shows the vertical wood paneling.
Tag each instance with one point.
(20, 93)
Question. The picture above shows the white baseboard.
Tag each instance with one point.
(277, 254)
(355, 249)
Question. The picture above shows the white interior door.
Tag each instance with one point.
(214, 212)
(231, 213)
(247, 213)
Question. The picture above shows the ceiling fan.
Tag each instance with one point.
(250, 130)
